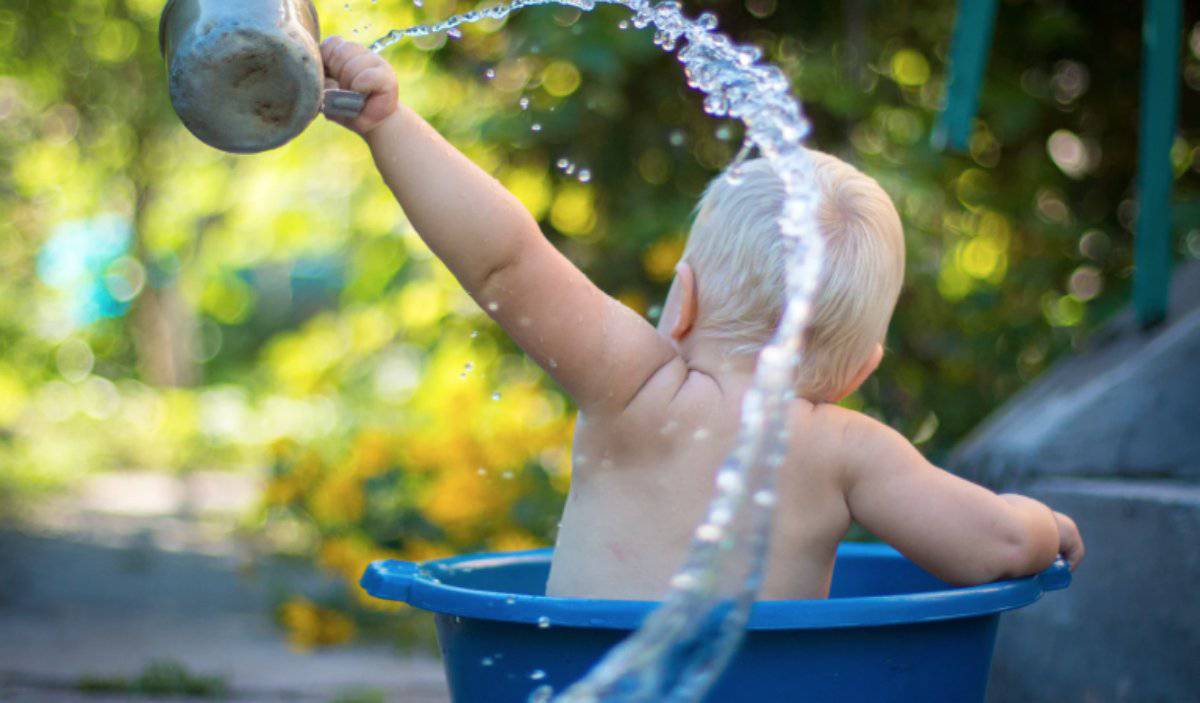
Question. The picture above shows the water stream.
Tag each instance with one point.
(686, 643)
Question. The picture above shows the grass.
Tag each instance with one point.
(360, 695)
(160, 678)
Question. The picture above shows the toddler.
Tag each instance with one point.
(659, 408)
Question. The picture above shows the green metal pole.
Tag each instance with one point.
(969, 49)
(1160, 105)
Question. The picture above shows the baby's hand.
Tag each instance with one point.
(350, 66)
(1070, 544)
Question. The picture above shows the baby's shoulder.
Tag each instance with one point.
(823, 436)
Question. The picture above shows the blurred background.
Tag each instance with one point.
(231, 382)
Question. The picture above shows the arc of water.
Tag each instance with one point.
(685, 644)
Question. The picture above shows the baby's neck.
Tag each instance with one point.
(712, 357)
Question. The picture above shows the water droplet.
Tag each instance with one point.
(764, 499)
(510, 600)
(536, 127)
(623, 25)
(475, 334)
(489, 74)
(678, 138)
(730, 481)
(700, 435)
(563, 164)
(524, 102)
(683, 581)
(507, 475)
(709, 533)
(541, 694)
(454, 33)
(543, 622)
(493, 307)
(585, 175)
(487, 661)
(481, 471)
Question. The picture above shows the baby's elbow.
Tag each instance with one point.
(1025, 552)
(1013, 555)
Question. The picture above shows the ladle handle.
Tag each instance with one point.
(343, 104)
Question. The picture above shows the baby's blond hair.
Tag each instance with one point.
(739, 258)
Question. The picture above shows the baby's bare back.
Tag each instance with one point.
(644, 478)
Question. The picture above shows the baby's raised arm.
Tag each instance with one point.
(598, 349)
(958, 531)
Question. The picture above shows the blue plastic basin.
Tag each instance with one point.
(888, 632)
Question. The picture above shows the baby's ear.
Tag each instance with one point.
(869, 366)
(688, 304)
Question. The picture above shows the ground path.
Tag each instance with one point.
(133, 569)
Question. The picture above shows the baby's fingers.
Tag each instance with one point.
(374, 79)
(328, 48)
(355, 67)
(1070, 543)
(337, 53)
(1074, 554)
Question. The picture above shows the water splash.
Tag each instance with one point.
(685, 644)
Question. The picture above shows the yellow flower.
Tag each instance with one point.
(634, 300)
(515, 541)
(574, 210)
(346, 556)
(281, 490)
(309, 625)
(283, 448)
(338, 500)
(531, 186)
(349, 557)
(458, 500)
(661, 258)
(372, 454)
(298, 478)
(13, 395)
(419, 550)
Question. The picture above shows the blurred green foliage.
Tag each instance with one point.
(159, 678)
(277, 311)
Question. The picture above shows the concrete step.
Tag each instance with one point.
(1128, 628)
